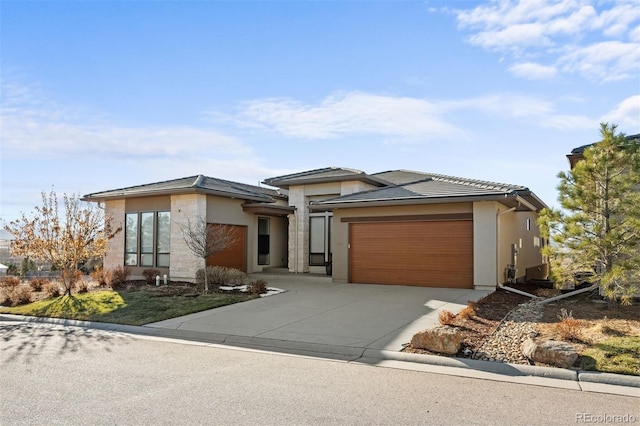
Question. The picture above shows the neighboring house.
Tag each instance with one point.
(577, 154)
(395, 227)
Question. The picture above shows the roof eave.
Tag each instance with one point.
(286, 183)
(97, 197)
(509, 199)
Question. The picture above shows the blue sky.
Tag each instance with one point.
(103, 95)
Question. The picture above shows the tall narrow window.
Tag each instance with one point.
(146, 239)
(163, 243)
(131, 239)
(528, 224)
(317, 241)
(263, 241)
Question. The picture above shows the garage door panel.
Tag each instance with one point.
(434, 254)
(235, 255)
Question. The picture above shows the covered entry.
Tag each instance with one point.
(427, 253)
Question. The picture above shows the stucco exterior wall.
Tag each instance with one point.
(340, 236)
(351, 187)
(183, 264)
(485, 236)
(115, 256)
(513, 231)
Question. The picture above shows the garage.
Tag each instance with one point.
(234, 256)
(416, 253)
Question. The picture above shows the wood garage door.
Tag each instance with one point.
(427, 254)
(234, 256)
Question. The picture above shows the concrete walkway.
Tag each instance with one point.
(316, 311)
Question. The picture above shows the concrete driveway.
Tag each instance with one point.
(315, 311)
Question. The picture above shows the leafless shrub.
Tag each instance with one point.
(37, 284)
(568, 327)
(446, 317)
(119, 276)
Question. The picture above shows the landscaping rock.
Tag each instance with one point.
(552, 352)
(442, 339)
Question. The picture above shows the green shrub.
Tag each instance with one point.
(221, 275)
(20, 295)
(150, 275)
(37, 284)
(9, 282)
(119, 276)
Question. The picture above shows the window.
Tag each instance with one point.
(263, 241)
(131, 240)
(319, 239)
(164, 239)
(147, 239)
(528, 224)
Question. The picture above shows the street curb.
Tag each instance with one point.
(504, 369)
(346, 353)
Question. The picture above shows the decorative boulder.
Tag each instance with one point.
(552, 352)
(442, 339)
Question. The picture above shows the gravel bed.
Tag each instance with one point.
(504, 344)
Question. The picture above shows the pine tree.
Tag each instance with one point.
(598, 231)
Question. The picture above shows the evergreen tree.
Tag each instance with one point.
(598, 232)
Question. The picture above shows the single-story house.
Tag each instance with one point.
(395, 227)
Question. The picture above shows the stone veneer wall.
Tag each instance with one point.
(115, 256)
(298, 231)
(183, 264)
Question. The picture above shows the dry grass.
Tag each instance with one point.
(446, 317)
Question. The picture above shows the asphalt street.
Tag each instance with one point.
(51, 374)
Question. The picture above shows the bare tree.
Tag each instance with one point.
(204, 240)
(83, 233)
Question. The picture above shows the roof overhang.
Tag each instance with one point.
(286, 183)
(268, 209)
(116, 195)
(521, 203)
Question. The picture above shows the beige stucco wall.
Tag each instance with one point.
(485, 236)
(513, 230)
(340, 236)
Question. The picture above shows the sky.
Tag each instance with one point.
(99, 95)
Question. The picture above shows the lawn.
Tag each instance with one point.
(137, 307)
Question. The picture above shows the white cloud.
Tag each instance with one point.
(606, 61)
(533, 71)
(34, 126)
(400, 119)
(527, 109)
(407, 119)
(626, 115)
(574, 35)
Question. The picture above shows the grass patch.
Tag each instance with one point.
(615, 355)
(124, 307)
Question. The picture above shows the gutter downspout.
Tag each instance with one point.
(498, 215)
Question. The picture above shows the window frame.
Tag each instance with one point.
(135, 255)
